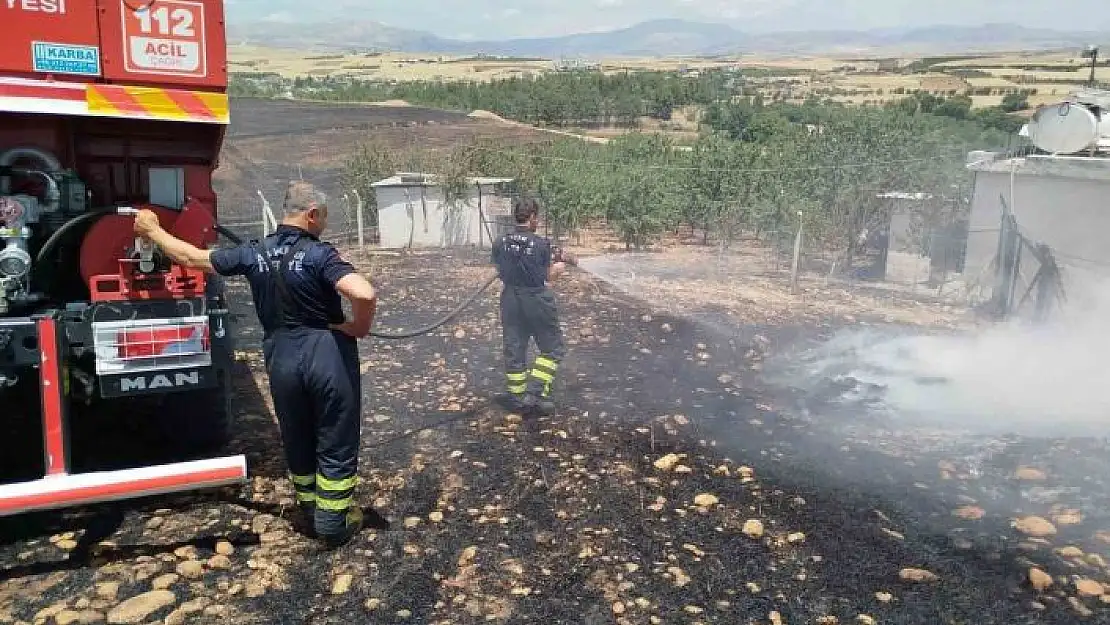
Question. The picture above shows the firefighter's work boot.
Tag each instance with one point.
(301, 518)
(544, 407)
(511, 402)
(353, 525)
(538, 406)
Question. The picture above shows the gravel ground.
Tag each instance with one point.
(675, 486)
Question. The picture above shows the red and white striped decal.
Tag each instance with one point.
(20, 95)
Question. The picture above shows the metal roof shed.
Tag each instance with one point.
(414, 212)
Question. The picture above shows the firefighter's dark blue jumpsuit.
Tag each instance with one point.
(314, 371)
(528, 311)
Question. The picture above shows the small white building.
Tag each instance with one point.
(1060, 201)
(413, 212)
(1058, 197)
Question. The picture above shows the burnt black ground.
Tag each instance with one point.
(564, 518)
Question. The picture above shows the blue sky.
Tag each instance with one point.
(502, 19)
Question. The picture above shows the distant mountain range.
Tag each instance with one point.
(671, 37)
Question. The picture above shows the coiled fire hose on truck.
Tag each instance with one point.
(428, 329)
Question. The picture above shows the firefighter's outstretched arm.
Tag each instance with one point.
(364, 302)
(180, 252)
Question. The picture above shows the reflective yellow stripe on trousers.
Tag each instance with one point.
(518, 382)
(335, 495)
(304, 486)
(544, 369)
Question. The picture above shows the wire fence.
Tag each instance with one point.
(903, 248)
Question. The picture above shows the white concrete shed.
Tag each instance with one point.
(413, 212)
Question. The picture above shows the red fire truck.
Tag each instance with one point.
(108, 106)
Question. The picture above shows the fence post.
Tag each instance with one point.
(358, 220)
(267, 215)
(795, 268)
(1009, 249)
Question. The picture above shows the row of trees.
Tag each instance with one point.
(593, 98)
(560, 99)
(760, 169)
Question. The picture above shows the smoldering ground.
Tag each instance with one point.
(1013, 377)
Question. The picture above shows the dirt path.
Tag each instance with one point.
(675, 486)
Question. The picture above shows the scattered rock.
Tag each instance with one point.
(435, 516)
(51, 611)
(191, 569)
(668, 462)
(828, 620)
(1068, 517)
(1089, 588)
(680, 577)
(107, 590)
(195, 606)
(219, 562)
(1030, 474)
(796, 537)
(917, 575)
(1079, 608)
(865, 619)
(884, 597)
(342, 584)
(1040, 580)
(373, 604)
(618, 608)
(775, 618)
(969, 513)
(1035, 526)
(224, 548)
(163, 582)
(138, 609)
(1070, 552)
(706, 500)
(753, 528)
(67, 544)
(412, 522)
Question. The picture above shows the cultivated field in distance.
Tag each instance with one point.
(1045, 75)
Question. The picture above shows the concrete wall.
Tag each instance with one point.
(1059, 202)
(401, 213)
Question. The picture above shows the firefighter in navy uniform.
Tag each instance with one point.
(310, 350)
(525, 263)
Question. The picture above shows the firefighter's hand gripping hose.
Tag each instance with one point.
(428, 329)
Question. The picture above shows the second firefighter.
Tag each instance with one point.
(526, 262)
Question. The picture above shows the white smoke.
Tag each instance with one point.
(1012, 377)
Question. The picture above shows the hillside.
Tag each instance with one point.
(669, 37)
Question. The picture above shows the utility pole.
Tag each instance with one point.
(1091, 53)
